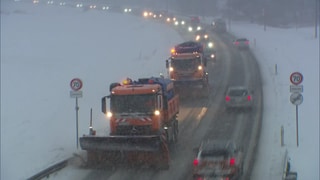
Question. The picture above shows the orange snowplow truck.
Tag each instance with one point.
(143, 123)
(187, 67)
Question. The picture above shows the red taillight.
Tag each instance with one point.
(236, 43)
(249, 98)
(199, 178)
(227, 98)
(195, 162)
(247, 42)
(232, 161)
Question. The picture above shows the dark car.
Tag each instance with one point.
(219, 25)
(218, 159)
(241, 43)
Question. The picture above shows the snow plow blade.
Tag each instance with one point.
(121, 143)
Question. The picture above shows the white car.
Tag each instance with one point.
(238, 97)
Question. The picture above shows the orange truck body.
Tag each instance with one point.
(156, 122)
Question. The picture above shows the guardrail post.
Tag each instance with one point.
(282, 136)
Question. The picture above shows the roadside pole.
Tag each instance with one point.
(76, 85)
(296, 97)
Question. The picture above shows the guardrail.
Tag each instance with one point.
(287, 174)
(46, 172)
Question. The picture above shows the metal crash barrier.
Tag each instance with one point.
(287, 174)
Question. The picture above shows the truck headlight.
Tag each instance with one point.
(156, 112)
(109, 114)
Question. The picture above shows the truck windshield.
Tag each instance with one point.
(185, 64)
(133, 103)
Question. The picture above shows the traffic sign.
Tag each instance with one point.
(296, 98)
(296, 78)
(76, 84)
(75, 94)
(296, 88)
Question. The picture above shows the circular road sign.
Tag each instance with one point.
(296, 78)
(76, 84)
(296, 98)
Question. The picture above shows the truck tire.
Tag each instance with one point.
(175, 131)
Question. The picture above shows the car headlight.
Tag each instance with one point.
(210, 44)
(182, 22)
(171, 69)
(198, 28)
(206, 36)
(212, 56)
(176, 23)
(199, 67)
(189, 29)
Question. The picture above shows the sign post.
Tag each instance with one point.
(76, 85)
(296, 97)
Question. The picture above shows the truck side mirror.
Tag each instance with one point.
(167, 63)
(104, 104)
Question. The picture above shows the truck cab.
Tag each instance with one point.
(187, 65)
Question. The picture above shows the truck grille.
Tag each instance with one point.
(134, 130)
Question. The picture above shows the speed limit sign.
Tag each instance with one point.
(76, 84)
(296, 78)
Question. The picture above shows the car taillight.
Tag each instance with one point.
(227, 98)
(247, 42)
(249, 98)
(195, 162)
(236, 43)
(232, 161)
(200, 178)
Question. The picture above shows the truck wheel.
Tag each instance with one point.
(174, 137)
(175, 131)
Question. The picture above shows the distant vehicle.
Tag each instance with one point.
(218, 159)
(219, 25)
(209, 51)
(187, 68)
(241, 43)
(239, 97)
(195, 20)
(202, 36)
(194, 24)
